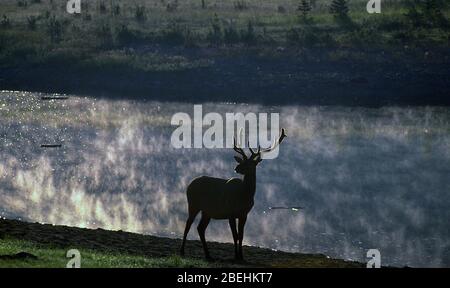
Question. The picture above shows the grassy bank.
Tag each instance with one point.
(240, 51)
(41, 31)
(47, 245)
(45, 256)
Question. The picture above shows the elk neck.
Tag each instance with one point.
(250, 183)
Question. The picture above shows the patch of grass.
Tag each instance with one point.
(144, 62)
(140, 13)
(240, 5)
(52, 257)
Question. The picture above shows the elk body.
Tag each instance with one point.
(230, 199)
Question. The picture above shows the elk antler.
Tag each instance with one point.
(254, 154)
(239, 149)
(276, 143)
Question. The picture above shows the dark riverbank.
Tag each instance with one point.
(157, 247)
(284, 80)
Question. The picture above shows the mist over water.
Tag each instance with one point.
(367, 178)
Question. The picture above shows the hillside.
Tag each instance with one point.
(21, 241)
(229, 51)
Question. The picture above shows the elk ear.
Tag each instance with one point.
(239, 160)
(258, 158)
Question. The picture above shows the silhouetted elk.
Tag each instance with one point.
(228, 199)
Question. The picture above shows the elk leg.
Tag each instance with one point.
(241, 224)
(235, 235)
(201, 232)
(189, 222)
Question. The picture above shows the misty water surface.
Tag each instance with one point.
(367, 178)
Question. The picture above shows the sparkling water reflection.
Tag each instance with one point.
(367, 178)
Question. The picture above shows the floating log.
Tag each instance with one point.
(54, 97)
(287, 208)
(51, 145)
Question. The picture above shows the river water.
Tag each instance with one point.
(367, 178)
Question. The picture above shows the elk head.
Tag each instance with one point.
(248, 164)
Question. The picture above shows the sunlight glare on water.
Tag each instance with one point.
(367, 178)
